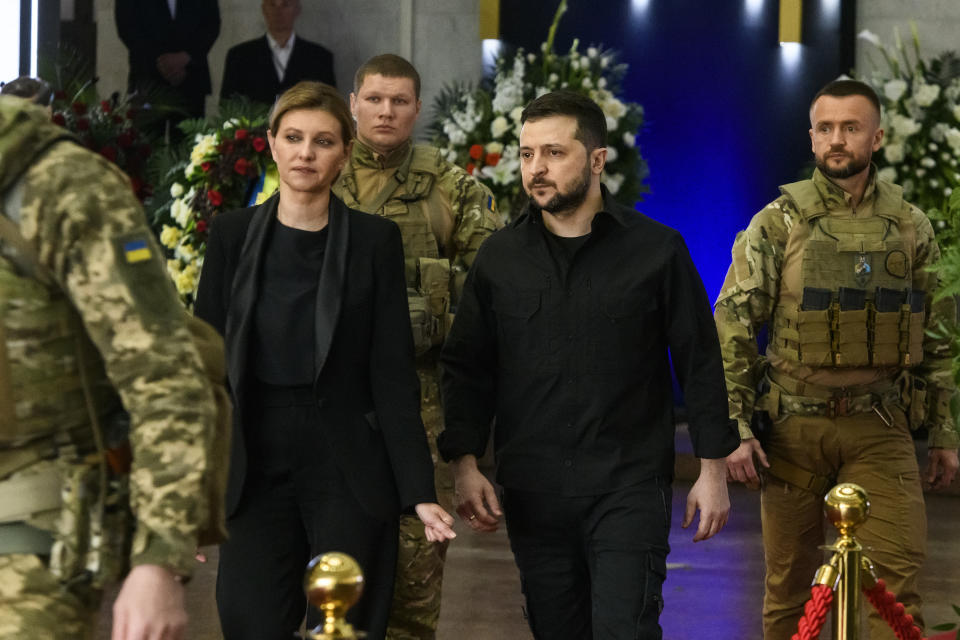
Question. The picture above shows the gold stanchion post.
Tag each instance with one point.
(333, 584)
(847, 506)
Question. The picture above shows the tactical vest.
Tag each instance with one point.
(404, 201)
(856, 306)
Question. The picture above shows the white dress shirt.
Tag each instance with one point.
(281, 55)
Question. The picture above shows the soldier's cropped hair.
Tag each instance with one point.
(846, 87)
(313, 95)
(33, 89)
(591, 123)
(387, 65)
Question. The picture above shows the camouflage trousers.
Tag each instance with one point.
(859, 449)
(419, 580)
(34, 604)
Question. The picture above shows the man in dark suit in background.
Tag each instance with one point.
(263, 68)
(168, 41)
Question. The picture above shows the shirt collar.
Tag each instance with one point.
(365, 156)
(276, 46)
(835, 197)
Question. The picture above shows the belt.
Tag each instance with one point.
(798, 476)
(19, 537)
(788, 396)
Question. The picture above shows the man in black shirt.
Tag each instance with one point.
(562, 334)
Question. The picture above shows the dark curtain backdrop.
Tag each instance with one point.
(726, 107)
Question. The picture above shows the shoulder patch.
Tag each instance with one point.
(136, 251)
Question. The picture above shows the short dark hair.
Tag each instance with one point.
(387, 65)
(848, 87)
(313, 95)
(591, 123)
(33, 89)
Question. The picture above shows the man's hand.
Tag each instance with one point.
(437, 523)
(149, 606)
(173, 66)
(941, 468)
(740, 465)
(476, 499)
(709, 495)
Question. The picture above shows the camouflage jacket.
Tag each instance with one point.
(462, 210)
(752, 291)
(79, 213)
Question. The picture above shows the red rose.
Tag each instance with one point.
(241, 166)
(206, 166)
(106, 106)
(240, 134)
(470, 168)
(259, 144)
(201, 226)
(82, 124)
(59, 119)
(492, 159)
(125, 139)
(109, 152)
(79, 108)
(476, 151)
(215, 197)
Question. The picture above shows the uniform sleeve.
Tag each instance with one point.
(475, 217)
(91, 233)
(746, 303)
(936, 368)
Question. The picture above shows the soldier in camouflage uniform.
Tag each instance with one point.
(90, 323)
(836, 268)
(444, 215)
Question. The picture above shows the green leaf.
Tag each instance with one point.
(945, 627)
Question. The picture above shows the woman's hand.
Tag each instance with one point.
(437, 523)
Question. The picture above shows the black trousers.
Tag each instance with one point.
(592, 567)
(295, 506)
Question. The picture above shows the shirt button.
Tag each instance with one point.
(568, 463)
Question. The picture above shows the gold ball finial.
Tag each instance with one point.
(847, 506)
(333, 583)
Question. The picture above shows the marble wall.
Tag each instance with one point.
(938, 22)
(440, 37)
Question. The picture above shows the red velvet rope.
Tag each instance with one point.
(814, 613)
(892, 612)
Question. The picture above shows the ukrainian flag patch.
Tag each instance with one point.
(491, 204)
(136, 251)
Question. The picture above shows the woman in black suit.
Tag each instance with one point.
(328, 446)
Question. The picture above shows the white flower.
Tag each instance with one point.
(585, 62)
(932, 146)
(575, 64)
(926, 94)
(206, 145)
(516, 113)
(602, 83)
(170, 236)
(499, 126)
(920, 172)
(870, 37)
(611, 123)
(941, 224)
(934, 183)
(592, 52)
(176, 190)
(612, 153)
(604, 61)
(894, 89)
(539, 91)
(945, 156)
(553, 79)
(493, 147)
(586, 83)
(454, 133)
(613, 181)
(928, 162)
(181, 212)
(956, 113)
(531, 58)
(630, 139)
(904, 126)
(186, 280)
(507, 170)
(893, 153)
(952, 137)
(186, 251)
(907, 185)
(613, 107)
(887, 174)
(173, 268)
(947, 191)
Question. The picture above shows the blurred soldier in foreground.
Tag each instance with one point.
(96, 364)
(836, 268)
(444, 215)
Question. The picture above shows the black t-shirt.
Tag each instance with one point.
(283, 334)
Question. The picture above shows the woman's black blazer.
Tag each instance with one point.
(366, 385)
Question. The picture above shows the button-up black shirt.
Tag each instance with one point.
(574, 363)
